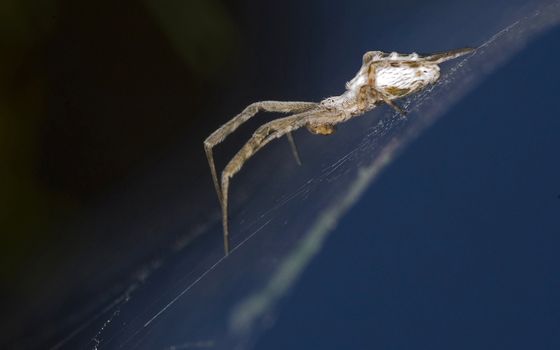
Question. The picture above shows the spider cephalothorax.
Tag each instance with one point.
(383, 77)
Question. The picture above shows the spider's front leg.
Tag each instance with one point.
(268, 106)
(371, 90)
(261, 137)
(389, 102)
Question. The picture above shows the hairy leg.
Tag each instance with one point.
(388, 101)
(261, 137)
(251, 110)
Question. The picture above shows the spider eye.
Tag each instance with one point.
(368, 56)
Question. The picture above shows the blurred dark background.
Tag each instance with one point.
(96, 95)
(91, 94)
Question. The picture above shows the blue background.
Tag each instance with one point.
(456, 245)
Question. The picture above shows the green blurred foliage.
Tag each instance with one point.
(24, 203)
(89, 91)
(202, 33)
(200, 30)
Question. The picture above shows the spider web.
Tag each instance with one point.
(398, 132)
(219, 302)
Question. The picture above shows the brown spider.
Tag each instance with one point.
(383, 77)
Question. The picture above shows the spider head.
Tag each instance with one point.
(372, 56)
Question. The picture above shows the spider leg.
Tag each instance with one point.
(262, 136)
(395, 106)
(219, 135)
(294, 148)
(447, 55)
(371, 82)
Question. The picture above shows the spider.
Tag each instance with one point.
(383, 77)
